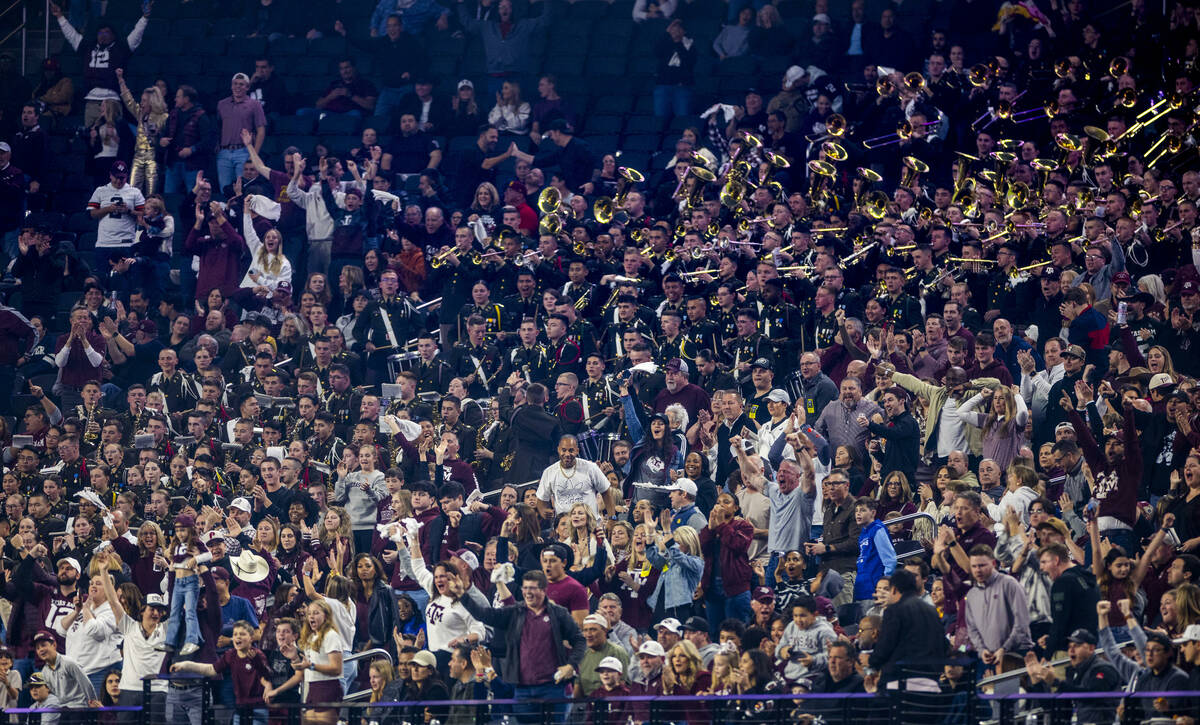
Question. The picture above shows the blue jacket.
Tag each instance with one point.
(681, 574)
(876, 558)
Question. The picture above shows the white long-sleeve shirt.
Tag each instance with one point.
(258, 274)
(95, 644)
(446, 619)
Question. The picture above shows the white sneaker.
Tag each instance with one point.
(188, 649)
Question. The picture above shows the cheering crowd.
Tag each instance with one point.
(878, 377)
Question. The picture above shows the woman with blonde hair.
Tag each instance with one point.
(380, 675)
(151, 114)
(110, 140)
(269, 268)
(146, 560)
(510, 114)
(631, 577)
(684, 674)
(1003, 423)
(1158, 360)
(486, 203)
(677, 554)
(319, 655)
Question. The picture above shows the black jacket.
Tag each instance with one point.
(534, 440)
(510, 620)
(910, 634)
(1093, 675)
(1073, 598)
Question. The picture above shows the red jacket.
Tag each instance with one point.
(730, 541)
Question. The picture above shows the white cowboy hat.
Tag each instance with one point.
(250, 567)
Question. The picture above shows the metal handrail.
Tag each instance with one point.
(1010, 674)
(372, 653)
(911, 517)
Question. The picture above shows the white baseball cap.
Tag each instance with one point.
(652, 649)
(596, 619)
(240, 503)
(686, 485)
(670, 624)
(1191, 633)
(614, 664)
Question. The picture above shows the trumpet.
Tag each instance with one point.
(442, 258)
(477, 258)
(698, 272)
(528, 259)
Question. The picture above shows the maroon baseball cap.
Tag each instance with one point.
(764, 594)
(1122, 278)
(118, 168)
(517, 186)
(1189, 288)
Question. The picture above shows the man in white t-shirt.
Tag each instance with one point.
(118, 206)
(573, 480)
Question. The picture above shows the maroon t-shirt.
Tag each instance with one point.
(568, 593)
(246, 673)
(538, 656)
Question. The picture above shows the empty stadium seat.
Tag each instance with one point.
(337, 124)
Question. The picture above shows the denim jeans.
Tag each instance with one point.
(255, 716)
(670, 100)
(184, 600)
(349, 672)
(720, 607)
(530, 697)
(185, 705)
(179, 178)
(388, 101)
(229, 165)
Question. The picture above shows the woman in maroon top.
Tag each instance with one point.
(632, 579)
(684, 674)
(896, 495)
(146, 560)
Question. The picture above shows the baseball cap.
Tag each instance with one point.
(1051, 272)
(1082, 636)
(763, 594)
(467, 556)
(1189, 288)
(761, 362)
(466, 83)
(157, 600)
(792, 76)
(209, 537)
(73, 562)
(675, 365)
(686, 485)
(670, 624)
(220, 572)
(149, 328)
(5, 147)
(1059, 526)
(424, 658)
(596, 619)
(241, 504)
(44, 635)
(36, 680)
(779, 395)
(1190, 634)
(652, 649)
(1075, 351)
(611, 663)
(118, 168)
(695, 624)
(822, 18)
(1161, 380)
(1122, 278)
(240, 77)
